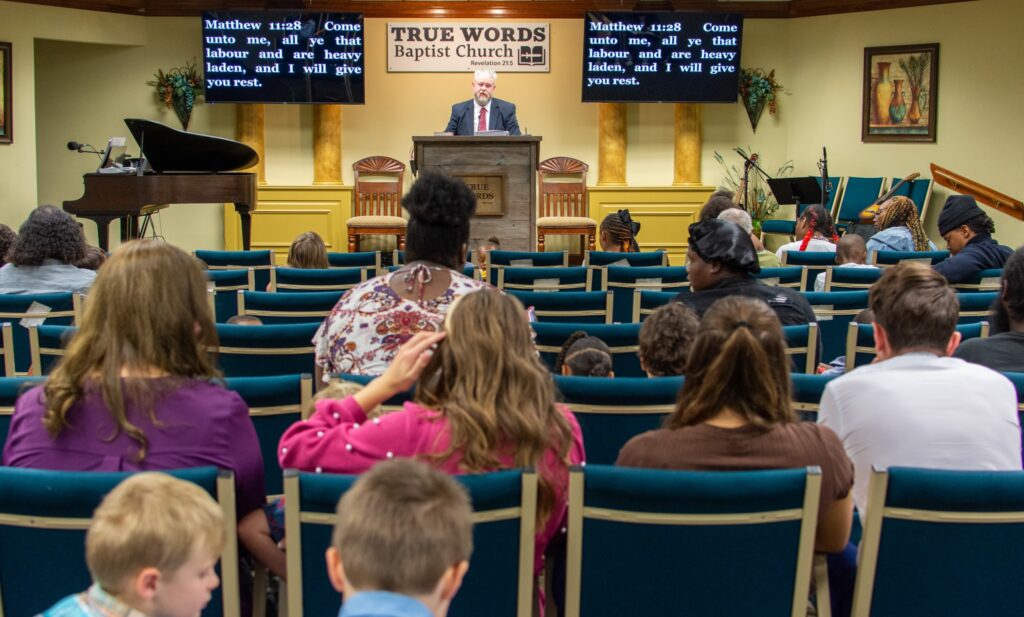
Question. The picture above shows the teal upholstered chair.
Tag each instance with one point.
(976, 306)
(46, 344)
(623, 280)
(1018, 384)
(646, 302)
(860, 340)
(275, 403)
(802, 347)
(850, 279)
(891, 258)
(500, 581)
(941, 543)
(787, 227)
(813, 263)
(526, 259)
(260, 261)
(858, 194)
(43, 519)
(392, 403)
(611, 411)
(806, 394)
(531, 278)
(368, 260)
(621, 339)
(793, 277)
(919, 191)
(568, 306)
(602, 259)
(834, 310)
(10, 389)
(657, 542)
(50, 308)
(986, 280)
(310, 279)
(282, 308)
(252, 351)
(224, 286)
(7, 349)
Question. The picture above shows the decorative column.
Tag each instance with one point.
(689, 137)
(249, 120)
(611, 144)
(327, 144)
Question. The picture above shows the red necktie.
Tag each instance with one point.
(482, 124)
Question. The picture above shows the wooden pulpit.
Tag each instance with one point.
(501, 171)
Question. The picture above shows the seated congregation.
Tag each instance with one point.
(423, 373)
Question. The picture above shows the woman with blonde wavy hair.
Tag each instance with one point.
(898, 228)
(134, 390)
(483, 402)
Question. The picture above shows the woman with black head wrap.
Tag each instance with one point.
(722, 262)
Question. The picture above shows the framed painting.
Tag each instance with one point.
(901, 86)
(6, 128)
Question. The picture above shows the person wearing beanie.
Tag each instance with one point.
(968, 233)
(722, 262)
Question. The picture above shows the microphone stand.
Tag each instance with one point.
(826, 187)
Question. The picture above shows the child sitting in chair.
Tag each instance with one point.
(151, 550)
(401, 543)
(851, 252)
(584, 356)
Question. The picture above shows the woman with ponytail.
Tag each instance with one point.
(734, 413)
(814, 231)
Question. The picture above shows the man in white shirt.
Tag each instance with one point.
(916, 406)
(483, 112)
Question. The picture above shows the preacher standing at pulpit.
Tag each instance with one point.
(483, 112)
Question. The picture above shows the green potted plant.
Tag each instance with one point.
(761, 203)
(758, 89)
(179, 88)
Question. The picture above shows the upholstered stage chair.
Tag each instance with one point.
(563, 207)
(377, 200)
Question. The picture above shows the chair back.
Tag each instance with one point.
(260, 261)
(370, 260)
(567, 306)
(44, 516)
(806, 394)
(802, 347)
(858, 194)
(622, 339)
(813, 263)
(563, 187)
(612, 411)
(544, 279)
(794, 277)
(278, 349)
(758, 526)
(310, 279)
(47, 344)
(891, 258)
(919, 191)
(623, 280)
(975, 306)
(21, 310)
(850, 279)
(860, 340)
(393, 403)
(646, 302)
(225, 285)
(834, 310)
(10, 389)
(986, 280)
(525, 259)
(602, 259)
(7, 349)
(275, 403)
(288, 308)
(951, 521)
(378, 186)
(499, 583)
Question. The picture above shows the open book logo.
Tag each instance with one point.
(531, 55)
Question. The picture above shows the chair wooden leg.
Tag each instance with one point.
(540, 242)
(401, 242)
(590, 241)
(352, 245)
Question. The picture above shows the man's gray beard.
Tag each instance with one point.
(482, 100)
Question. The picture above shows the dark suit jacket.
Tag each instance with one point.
(501, 118)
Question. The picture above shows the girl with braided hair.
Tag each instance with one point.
(815, 230)
(618, 233)
(584, 356)
(899, 228)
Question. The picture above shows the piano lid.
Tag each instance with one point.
(168, 149)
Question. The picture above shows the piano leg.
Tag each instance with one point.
(246, 217)
(103, 230)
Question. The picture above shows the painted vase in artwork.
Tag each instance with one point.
(883, 94)
(914, 113)
(898, 107)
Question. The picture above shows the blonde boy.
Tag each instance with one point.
(401, 543)
(151, 550)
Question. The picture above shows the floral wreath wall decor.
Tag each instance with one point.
(179, 88)
(758, 89)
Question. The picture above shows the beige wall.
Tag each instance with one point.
(78, 73)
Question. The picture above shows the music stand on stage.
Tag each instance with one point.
(799, 191)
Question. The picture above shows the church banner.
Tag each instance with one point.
(460, 46)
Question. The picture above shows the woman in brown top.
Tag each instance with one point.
(734, 413)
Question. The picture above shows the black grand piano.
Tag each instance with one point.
(186, 168)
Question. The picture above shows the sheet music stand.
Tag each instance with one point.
(799, 191)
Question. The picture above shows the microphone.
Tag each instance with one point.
(74, 145)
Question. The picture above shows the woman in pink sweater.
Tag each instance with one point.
(483, 402)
